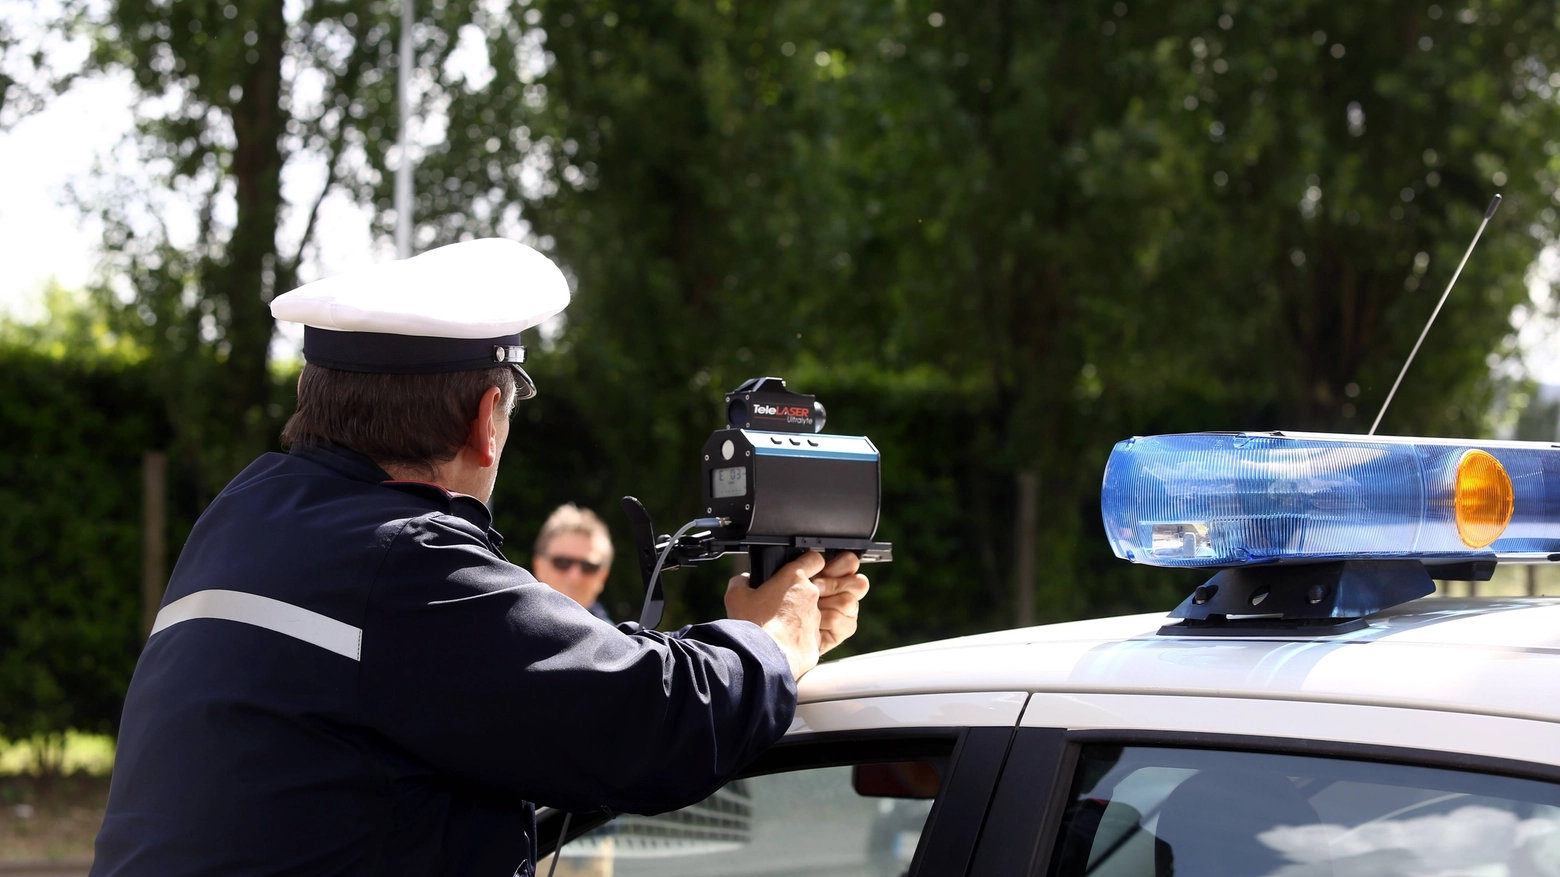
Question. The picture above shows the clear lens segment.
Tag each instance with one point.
(1232, 499)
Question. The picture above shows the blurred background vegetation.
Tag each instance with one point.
(997, 237)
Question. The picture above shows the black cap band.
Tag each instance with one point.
(381, 353)
(408, 354)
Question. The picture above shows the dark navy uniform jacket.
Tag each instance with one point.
(347, 677)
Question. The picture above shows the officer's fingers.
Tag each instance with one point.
(837, 615)
(808, 565)
(772, 598)
(736, 586)
(738, 597)
(843, 564)
(828, 644)
(837, 626)
(843, 604)
(798, 572)
(789, 592)
(855, 585)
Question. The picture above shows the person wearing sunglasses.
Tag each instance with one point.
(574, 556)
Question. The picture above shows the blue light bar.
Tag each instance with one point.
(1237, 499)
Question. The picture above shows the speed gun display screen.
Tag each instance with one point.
(730, 482)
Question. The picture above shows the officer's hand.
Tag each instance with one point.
(807, 608)
(840, 589)
(786, 607)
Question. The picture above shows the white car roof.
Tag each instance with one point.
(1493, 656)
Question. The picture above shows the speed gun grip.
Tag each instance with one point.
(765, 560)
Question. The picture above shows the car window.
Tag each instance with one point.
(1158, 812)
(802, 822)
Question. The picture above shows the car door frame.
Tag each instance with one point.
(1019, 838)
(975, 757)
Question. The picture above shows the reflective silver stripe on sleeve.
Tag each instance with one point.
(285, 618)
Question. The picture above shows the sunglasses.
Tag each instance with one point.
(564, 564)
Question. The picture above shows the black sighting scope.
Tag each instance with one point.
(773, 486)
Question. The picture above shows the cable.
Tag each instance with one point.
(655, 574)
(563, 837)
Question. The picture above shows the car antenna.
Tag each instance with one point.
(1433, 314)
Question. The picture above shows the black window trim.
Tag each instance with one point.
(1405, 755)
(1015, 830)
(976, 755)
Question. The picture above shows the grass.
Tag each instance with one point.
(50, 818)
(52, 796)
(72, 753)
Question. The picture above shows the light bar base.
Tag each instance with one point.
(1301, 599)
(1252, 628)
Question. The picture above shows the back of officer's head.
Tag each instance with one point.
(400, 354)
(397, 420)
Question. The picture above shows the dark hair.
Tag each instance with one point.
(403, 420)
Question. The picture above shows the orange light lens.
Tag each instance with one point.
(1483, 499)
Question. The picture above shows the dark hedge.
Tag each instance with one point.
(72, 436)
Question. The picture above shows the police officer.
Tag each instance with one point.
(347, 677)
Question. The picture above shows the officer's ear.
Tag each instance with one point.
(483, 441)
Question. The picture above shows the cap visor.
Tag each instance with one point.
(525, 388)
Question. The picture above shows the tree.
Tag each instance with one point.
(997, 236)
(1092, 220)
(231, 94)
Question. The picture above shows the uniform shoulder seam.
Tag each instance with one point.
(373, 580)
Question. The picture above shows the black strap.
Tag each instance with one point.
(383, 353)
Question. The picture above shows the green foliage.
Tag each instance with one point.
(997, 238)
(28, 78)
(77, 411)
(1087, 220)
(58, 754)
(231, 92)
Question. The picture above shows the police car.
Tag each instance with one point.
(1307, 711)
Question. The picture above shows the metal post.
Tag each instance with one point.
(1024, 525)
(154, 536)
(403, 171)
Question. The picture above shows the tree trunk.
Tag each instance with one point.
(248, 279)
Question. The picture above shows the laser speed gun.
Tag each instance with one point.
(774, 486)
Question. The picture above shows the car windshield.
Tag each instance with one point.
(1157, 812)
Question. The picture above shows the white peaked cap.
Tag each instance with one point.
(455, 308)
(473, 289)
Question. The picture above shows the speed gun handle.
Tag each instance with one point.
(765, 560)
